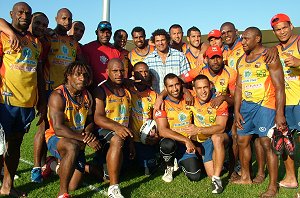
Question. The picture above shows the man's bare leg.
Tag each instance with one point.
(260, 159)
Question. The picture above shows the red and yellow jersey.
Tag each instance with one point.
(192, 59)
(135, 57)
(117, 108)
(233, 54)
(179, 115)
(63, 50)
(141, 109)
(75, 114)
(19, 71)
(256, 81)
(205, 115)
(223, 82)
(291, 74)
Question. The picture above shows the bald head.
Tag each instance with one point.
(63, 20)
(115, 71)
(21, 16)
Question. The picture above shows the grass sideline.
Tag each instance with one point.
(135, 184)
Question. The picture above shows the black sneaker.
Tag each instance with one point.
(277, 142)
(216, 186)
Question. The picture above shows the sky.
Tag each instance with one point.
(154, 14)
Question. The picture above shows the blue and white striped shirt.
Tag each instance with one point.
(176, 63)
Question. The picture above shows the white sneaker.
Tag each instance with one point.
(168, 176)
(114, 191)
(175, 167)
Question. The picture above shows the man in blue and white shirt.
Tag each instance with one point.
(164, 60)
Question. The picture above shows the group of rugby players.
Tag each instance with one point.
(205, 98)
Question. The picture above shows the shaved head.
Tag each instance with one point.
(63, 10)
(113, 61)
(21, 4)
(255, 32)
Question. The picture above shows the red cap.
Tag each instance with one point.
(279, 18)
(213, 50)
(214, 33)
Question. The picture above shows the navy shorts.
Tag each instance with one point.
(292, 115)
(206, 147)
(52, 147)
(16, 119)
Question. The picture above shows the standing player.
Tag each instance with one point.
(176, 34)
(258, 104)
(99, 52)
(288, 49)
(71, 126)
(112, 117)
(20, 86)
(77, 31)
(120, 40)
(142, 48)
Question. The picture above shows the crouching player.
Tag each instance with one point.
(208, 128)
(142, 101)
(175, 143)
(71, 126)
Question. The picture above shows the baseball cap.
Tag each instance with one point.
(104, 25)
(279, 18)
(214, 33)
(213, 51)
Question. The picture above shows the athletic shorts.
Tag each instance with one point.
(206, 148)
(52, 147)
(258, 119)
(15, 120)
(292, 116)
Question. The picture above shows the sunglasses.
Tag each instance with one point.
(102, 26)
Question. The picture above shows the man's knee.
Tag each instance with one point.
(116, 142)
(265, 143)
(167, 146)
(191, 168)
(218, 140)
(68, 147)
(243, 141)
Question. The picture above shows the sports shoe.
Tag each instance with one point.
(168, 176)
(65, 195)
(175, 167)
(36, 175)
(216, 185)
(47, 171)
(114, 191)
(289, 143)
(277, 142)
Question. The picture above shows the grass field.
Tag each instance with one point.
(134, 183)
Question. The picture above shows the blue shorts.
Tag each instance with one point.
(258, 119)
(206, 147)
(16, 120)
(52, 147)
(292, 115)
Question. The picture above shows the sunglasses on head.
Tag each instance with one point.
(104, 26)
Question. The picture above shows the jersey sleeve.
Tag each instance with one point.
(160, 114)
(223, 109)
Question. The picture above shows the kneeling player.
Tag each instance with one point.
(71, 126)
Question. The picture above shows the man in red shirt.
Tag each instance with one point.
(100, 51)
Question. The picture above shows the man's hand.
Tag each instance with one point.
(190, 147)
(280, 122)
(14, 42)
(200, 60)
(95, 145)
(217, 101)
(239, 120)
(191, 130)
(41, 112)
(271, 55)
(189, 99)
(123, 132)
(292, 61)
(88, 137)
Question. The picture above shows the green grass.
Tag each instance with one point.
(135, 184)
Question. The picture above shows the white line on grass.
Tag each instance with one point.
(91, 187)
